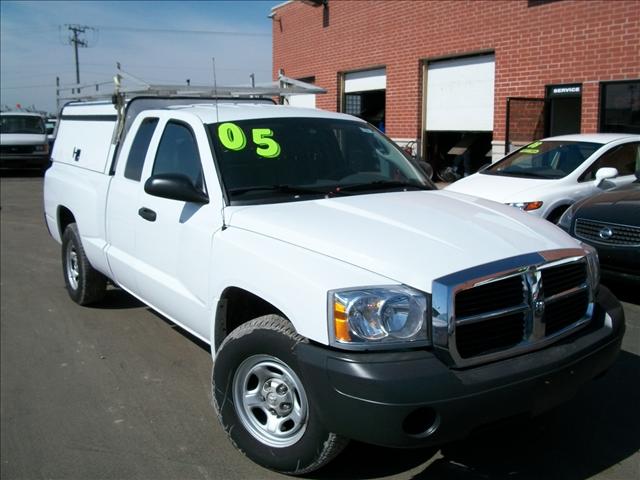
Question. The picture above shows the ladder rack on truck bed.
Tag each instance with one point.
(281, 89)
(128, 101)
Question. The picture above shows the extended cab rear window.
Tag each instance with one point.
(139, 148)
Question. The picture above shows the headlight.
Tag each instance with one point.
(526, 206)
(593, 265)
(42, 148)
(378, 317)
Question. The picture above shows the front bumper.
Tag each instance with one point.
(17, 161)
(406, 399)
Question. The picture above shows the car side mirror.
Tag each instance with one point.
(174, 186)
(605, 173)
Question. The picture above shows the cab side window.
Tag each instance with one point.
(178, 153)
(623, 158)
(139, 147)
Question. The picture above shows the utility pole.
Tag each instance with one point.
(76, 41)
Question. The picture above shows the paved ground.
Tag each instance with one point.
(118, 392)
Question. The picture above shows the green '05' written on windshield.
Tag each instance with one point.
(233, 138)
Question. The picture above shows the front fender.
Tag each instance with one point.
(291, 278)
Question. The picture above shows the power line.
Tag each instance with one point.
(175, 30)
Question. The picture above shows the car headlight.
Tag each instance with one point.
(42, 148)
(526, 206)
(378, 317)
(593, 264)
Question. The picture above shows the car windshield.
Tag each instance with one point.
(544, 159)
(283, 159)
(21, 124)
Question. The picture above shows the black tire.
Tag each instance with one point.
(269, 342)
(554, 217)
(84, 284)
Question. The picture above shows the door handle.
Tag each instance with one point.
(147, 214)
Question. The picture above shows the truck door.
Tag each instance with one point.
(174, 237)
(122, 198)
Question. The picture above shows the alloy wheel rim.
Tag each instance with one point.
(73, 269)
(270, 400)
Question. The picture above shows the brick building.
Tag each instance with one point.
(456, 74)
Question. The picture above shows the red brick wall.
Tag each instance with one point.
(550, 43)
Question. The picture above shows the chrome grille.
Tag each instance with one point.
(503, 309)
(563, 277)
(492, 296)
(565, 311)
(607, 233)
(490, 335)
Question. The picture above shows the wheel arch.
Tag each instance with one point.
(64, 217)
(235, 307)
(557, 209)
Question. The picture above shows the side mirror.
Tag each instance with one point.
(174, 186)
(605, 173)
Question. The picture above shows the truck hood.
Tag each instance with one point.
(408, 237)
(501, 189)
(22, 139)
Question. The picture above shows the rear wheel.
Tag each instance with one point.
(262, 402)
(84, 284)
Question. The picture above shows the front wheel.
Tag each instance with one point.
(262, 402)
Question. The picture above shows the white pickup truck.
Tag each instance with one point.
(343, 296)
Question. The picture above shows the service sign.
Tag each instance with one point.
(564, 90)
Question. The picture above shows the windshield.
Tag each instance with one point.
(21, 124)
(544, 159)
(283, 159)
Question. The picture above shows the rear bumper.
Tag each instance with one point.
(406, 399)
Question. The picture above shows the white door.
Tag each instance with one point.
(460, 94)
(174, 238)
(365, 81)
(306, 100)
(122, 200)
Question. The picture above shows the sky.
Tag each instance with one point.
(157, 41)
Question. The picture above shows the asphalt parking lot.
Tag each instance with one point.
(116, 391)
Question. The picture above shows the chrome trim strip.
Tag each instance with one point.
(492, 314)
(566, 293)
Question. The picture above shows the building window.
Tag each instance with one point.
(620, 107)
(353, 104)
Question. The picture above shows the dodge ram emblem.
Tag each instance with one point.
(538, 307)
(606, 233)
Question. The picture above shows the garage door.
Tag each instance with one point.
(307, 100)
(365, 81)
(460, 94)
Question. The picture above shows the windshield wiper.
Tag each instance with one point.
(528, 174)
(281, 189)
(382, 185)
